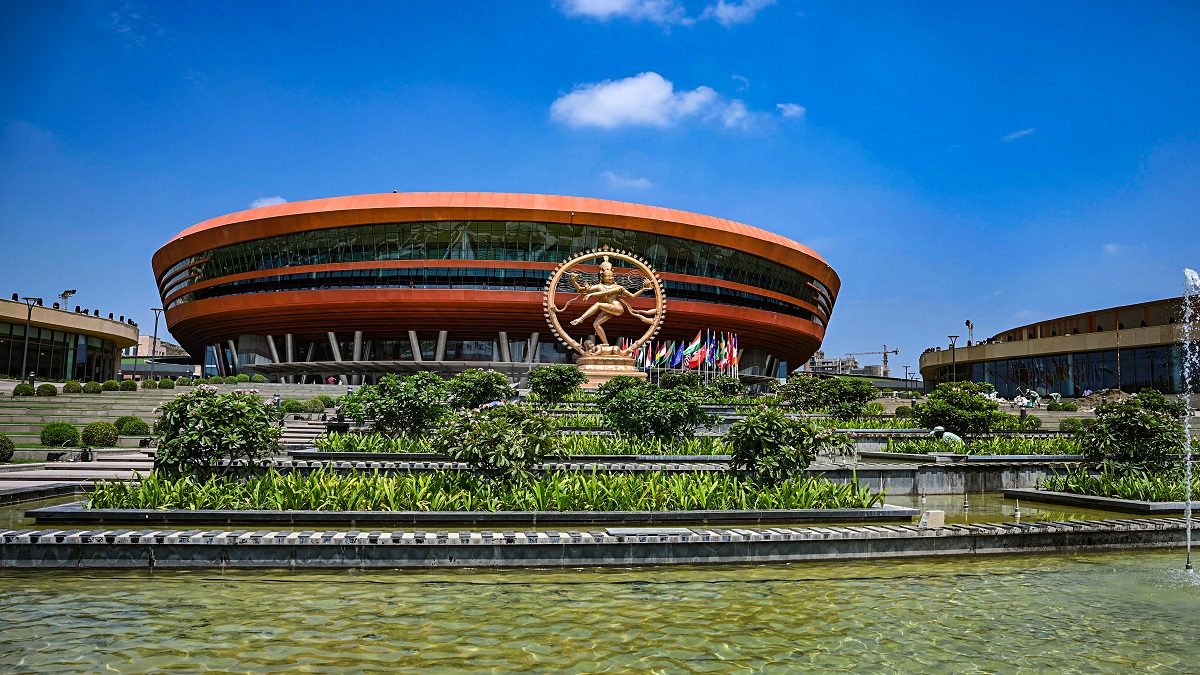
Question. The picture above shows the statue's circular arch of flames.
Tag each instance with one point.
(634, 280)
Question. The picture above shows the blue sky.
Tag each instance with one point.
(1001, 163)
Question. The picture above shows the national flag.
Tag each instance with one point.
(694, 346)
(696, 358)
(677, 358)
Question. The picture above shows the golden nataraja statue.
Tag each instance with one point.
(610, 294)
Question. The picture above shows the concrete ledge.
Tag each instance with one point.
(33, 493)
(80, 515)
(320, 456)
(622, 547)
(954, 457)
(1099, 503)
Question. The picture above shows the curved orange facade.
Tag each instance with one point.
(470, 265)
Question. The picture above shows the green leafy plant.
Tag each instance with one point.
(201, 380)
(59, 435)
(607, 391)
(200, 428)
(6, 448)
(99, 435)
(1124, 483)
(128, 425)
(657, 412)
(1075, 425)
(216, 379)
(47, 390)
(675, 380)
(1068, 406)
(326, 400)
(774, 448)
(408, 405)
(504, 442)
(129, 385)
(314, 405)
(240, 378)
(166, 383)
(292, 406)
(842, 397)
(258, 378)
(149, 384)
(110, 385)
(92, 388)
(553, 383)
(726, 385)
(23, 389)
(474, 387)
(1053, 406)
(72, 387)
(1141, 433)
(960, 408)
(183, 381)
(903, 412)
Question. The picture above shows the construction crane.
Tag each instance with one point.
(885, 353)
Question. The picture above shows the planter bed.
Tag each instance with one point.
(317, 455)
(955, 457)
(76, 513)
(1100, 503)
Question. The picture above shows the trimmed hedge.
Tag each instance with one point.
(59, 435)
(23, 389)
(292, 405)
(110, 385)
(129, 385)
(6, 448)
(99, 435)
(183, 381)
(216, 379)
(93, 388)
(315, 405)
(128, 425)
(240, 378)
(149, 384)
(72, 387)
(258, 378)
(47, 390)
(166, 383)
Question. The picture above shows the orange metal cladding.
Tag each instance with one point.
(473, 314)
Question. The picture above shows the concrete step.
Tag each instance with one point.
(26, 439)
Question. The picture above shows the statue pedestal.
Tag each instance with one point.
(601, 369)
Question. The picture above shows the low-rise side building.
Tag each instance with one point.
(62, 345)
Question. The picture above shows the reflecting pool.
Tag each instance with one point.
(1121, 612)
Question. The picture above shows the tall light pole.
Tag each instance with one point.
(953, 357)
(28, 319)
(906, 372)
(154, 340)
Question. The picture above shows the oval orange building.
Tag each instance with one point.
(357, 286)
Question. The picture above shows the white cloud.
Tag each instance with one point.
(1112, 249)
(744, 80)
(1016, 134)
(618, 181)
(644, 100)
(267, 201)
(791, 111)
(665, 12)
(731, 13)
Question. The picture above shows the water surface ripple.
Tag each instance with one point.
(1130, 612)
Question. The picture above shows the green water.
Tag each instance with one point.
(1119, 613)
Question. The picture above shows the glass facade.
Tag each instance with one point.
(484, 240)
(55, 354)
(1075, 374)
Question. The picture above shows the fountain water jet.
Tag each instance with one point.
(1191, 337)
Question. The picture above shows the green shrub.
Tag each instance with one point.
(183, 381)
(149, 384)
(657, 412)
(504, 442)
(961, 408)
(166, 383)
(60, 435)
(129, 385)
(6, 448)
(314, 405)
(1031, 422)
(47, 389)
(258, 378)
(110, 385)
(200, 428)
(728, 386)
(904, 411)
(72, 387)
(774, 448)
(1068, 406)
(408, 405)
(474, 387)
(216, 379)
(23, 389)
(203, 380)
(240, 378)
(1053, 406)
(292, 406)
(842, 397)
(618, 384)
(93, 388)
(100, 435)
(674, 380)
(1074, 425)
(1142, 433)
(128, 425)
(555, 382)
(326, 400)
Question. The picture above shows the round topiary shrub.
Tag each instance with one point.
(110, 385)
(99, 435)
(202, 380)
(93, 388)
(216, 379)
(315, 405)
(6, 448)
(59, 435)
(149, 384)
(129, 385)
(23, 389)
(326, 400)
(903, 412)
(292, 405)
(258, 378)
(1053, 406)
(182, 381)
(72, 387)
(47, 390)
(166, 383)
(240, 378)
(134, 427)
(1068, 406)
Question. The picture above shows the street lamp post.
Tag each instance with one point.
(28, 320)
(154, 340)
(953, 357)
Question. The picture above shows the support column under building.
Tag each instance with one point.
(504, 355)
(312, 351)
(337, 354)
(219, 358)
(289, 353)
(274, 352)
(440, 353)
(357, 379)
(416, 346)
(533, 345)
(233, 361)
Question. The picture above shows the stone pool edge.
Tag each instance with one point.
(609, 547)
